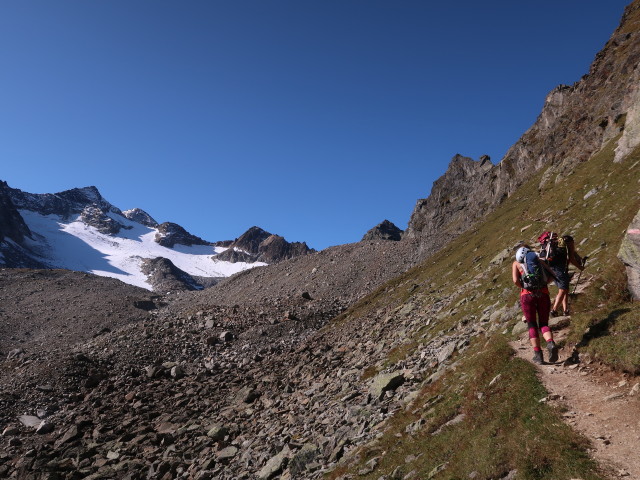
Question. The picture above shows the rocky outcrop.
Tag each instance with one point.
(384, 231)
(576, 121)
(257, 245)
(94, 217)
(275, 249)
(12, 225)
(629, 254)
(170, 234)
(445, 212)
(164, 276)
(140, 216)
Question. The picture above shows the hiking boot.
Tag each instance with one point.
(553, 352)
(553, 313)
(537, 357)
(567, 312)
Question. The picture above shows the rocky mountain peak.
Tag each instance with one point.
(63, 203)
(250, 240)
(258, 245)
(452, 196)
(140, 216)
(384, 231)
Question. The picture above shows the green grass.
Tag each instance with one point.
(507, 428)
(615, 338)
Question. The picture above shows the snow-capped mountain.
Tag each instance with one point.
(79, 230)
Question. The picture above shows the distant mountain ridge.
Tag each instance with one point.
(258, 245)
(79, 229)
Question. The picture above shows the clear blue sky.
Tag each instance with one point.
(315, 120)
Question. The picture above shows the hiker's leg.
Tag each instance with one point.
(543, 306)
(558, 300)
(565, 300)
(528, 305)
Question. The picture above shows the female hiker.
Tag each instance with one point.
(530, 275)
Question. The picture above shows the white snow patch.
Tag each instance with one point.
(76, 246)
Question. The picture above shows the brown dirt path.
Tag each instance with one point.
(601, 405)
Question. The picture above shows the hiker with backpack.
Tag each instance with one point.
(530, 275)
(559, 253)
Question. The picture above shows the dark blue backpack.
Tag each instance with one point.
(534, 276)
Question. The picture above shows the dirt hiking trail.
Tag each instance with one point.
(602, 405)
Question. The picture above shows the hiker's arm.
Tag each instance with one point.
(575, 260)
(515, 275)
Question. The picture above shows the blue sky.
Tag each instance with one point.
(315, 120)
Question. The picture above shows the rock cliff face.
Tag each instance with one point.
(257, 245)
(575, 122)
(445, 213)
(629, 254)
(12, 225)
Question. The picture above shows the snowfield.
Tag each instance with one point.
(75, 245)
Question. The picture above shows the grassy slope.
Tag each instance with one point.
(505, 427)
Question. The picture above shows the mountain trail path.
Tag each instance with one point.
(602, 405)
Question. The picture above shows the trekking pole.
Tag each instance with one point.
(584, 260)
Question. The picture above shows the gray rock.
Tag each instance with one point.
(370, 466)
(304, 457)
(629, 254)
(10, 430)
(226, 454)
(217, 433)
(274, 465)
(71, 434)
(246, 395)
(385, 382)
(226, 336)
(519, 328)
(29, 421)
(446, 352)
(45, 427)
